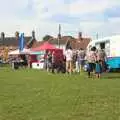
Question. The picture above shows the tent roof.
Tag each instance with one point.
(44, 46)
(37, 53)
(17, 52)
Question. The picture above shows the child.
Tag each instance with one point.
(98, 69)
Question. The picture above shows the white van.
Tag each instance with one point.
(111, 45)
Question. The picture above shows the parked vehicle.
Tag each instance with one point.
(111, 45)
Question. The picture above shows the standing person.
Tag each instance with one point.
(98, 68)
(101, 55)
(69, 59)
(49, 61)
(91, 58)
(77, 62)
(29, 61)
(81, 58)
(73, 60)
(45, 60)
(53, 61)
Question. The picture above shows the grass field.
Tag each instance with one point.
(37, 95)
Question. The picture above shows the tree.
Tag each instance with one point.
(47, 37)
(71, 37)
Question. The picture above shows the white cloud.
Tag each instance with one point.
(107, 28)
(87, 26)
(47, 8)
(88, 6)
(10, 22)
(43, 9)
(9, 7)
(110, 28)
(9, 27)
(114, 20)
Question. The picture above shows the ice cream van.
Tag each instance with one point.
(111, 45)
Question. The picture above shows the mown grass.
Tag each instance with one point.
(37, 95)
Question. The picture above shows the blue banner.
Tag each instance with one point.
(21, 42)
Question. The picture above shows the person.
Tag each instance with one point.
(29, 61)
(45, 60)
(91, 59)
(81, 58)
(101, 55)
(53, 61)
(77, 62)
(69, 59)
(49, 61)
(98, 69)
(74, 61)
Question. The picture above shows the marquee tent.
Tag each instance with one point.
(17, 52)
(45, 46)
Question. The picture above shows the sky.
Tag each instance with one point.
(91, 17)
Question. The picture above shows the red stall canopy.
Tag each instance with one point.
(45, 46)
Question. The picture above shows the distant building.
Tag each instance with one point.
(80, 42)
(13, 42)
(75, 43)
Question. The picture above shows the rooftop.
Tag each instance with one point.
(11, 41)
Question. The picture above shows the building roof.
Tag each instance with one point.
(63, 40)
(37, 44)
(11, 41)
(75, 43)
(82, 43)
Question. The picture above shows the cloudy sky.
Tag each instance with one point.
(44, 16)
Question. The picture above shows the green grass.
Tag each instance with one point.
(37, 95)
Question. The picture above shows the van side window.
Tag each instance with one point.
(104, 45)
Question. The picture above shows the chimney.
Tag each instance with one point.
(2, 37)
(80, 36)
(17, 35)
(59, 35)
(33, 35)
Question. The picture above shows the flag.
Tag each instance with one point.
(21, 42)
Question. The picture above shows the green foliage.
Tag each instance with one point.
(47, 37)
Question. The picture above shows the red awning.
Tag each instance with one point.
(45, 46)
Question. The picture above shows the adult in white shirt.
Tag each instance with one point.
(69, 59)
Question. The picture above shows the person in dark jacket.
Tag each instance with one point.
(53, 61)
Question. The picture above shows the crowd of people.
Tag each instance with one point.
(17, 61)
(75, 61)
(96, 61)
(93, 61)
(52, 63)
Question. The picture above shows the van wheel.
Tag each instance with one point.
(109, 70)
(113, 70)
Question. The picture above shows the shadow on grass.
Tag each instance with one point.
(111, 75)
